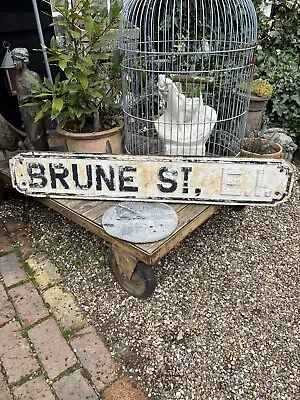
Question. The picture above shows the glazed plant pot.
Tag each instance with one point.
(109, 141)
(275, 150)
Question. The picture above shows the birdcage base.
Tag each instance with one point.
(144, 142)
(141, 139)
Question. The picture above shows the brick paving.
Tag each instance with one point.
(16, 356)
(28, 303)
(4, 390)
(35, 389)
(55, 354)
(11, 269)
(37, 361)
(76, 386)
(94, 357)
(7, 311)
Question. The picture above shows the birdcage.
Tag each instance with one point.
(186, 71)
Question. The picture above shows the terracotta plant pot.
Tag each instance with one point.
(275, 154)
(109, 141)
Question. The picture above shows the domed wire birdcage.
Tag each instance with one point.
(186, 72)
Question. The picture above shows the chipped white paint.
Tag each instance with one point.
(164, 179)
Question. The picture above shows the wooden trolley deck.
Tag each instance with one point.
(88, 213)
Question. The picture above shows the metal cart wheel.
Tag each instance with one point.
(142, 282)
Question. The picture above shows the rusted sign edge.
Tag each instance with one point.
(284, 166)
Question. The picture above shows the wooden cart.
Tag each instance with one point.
(130, 263)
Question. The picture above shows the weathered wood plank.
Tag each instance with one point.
(79, 206)
(97, 212)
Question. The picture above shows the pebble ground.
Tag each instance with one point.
(223, 322)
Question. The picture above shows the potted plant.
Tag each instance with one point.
(85, 98)
(261, 92)
(256, 146)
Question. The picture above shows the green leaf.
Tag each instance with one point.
(69, 72)
(73, 89)
(83, 68)
(75, 16)
(75, 34)
(60, 22)
(43, 95)
(57, 80)
(112, 35)
(83, 81)
(88, 60)
(115, 10)
(77, 111)
(30, 104)
(97, 95)
(62, 64)
(39, 116)
(89, 25)
(57, 105)
(53, 42)
(46, 106)
(48, 84)
(71, 112)
(102, 56)
(296, 98)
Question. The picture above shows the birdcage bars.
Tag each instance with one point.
(186, 71)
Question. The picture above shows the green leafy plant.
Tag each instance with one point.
(88, 89)
(278, 61)
(262, 88)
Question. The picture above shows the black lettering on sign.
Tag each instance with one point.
(36, 171)
(101, 175)
(88, 183)
(123, 179)
(58, 172)
(186, 171)
(170, 181)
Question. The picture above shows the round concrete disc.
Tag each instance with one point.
(140, 222)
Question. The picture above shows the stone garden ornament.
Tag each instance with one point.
(11, 138)
(25, 80)
(186, 123)
(278, 135)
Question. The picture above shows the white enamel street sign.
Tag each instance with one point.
(165, 179)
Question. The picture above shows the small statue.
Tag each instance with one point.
(25, 80)
(186, 123)
(11, 138)
(279, 135)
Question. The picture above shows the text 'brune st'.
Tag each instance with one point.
(199, 180)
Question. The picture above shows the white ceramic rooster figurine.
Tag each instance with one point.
(186, 123)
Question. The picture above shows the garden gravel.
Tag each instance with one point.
(223, 322)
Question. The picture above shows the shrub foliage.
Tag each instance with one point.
(278, 61)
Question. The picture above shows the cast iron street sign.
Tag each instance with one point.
(164, 179)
